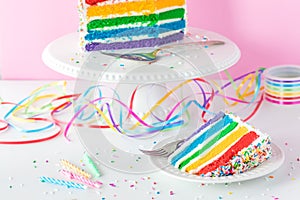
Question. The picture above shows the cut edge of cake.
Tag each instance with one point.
(223, 146)
(127, 24)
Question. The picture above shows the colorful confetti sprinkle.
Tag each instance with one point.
(112, 185)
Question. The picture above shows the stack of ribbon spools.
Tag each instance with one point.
(282, 84)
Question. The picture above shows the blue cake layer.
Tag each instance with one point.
(153, 31)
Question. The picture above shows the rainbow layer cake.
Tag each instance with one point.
(223, 146)
(125, 24)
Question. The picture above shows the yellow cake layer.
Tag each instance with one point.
(217, 150)
(146, 7)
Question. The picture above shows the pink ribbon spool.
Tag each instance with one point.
(282, 84)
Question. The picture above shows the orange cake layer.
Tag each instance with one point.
(129, 8)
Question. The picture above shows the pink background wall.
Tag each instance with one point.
(267, 32)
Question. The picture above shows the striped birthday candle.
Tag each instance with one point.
(68, 184)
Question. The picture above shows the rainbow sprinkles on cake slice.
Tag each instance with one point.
(223, 146)
(126, 24)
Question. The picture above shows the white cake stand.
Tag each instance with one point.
(65, 56)
(183, 62)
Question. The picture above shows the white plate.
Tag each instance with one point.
(267, 167)
(98, 145)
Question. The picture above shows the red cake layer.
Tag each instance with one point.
(94, 2)
(244, 142)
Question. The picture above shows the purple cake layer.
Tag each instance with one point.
(96, 46)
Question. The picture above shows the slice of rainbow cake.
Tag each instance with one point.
(223, 146)
(126, 24)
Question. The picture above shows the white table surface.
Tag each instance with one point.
(22, 165)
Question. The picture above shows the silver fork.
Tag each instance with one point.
(166, 150)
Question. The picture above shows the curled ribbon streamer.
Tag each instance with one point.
(25, 104)
(4, 125)
(251, 79)
(80, 100)
(160, 101)
(36, 111)
(29, 120)
(67, 104)
(165, 124)
(42, 139)
(196, 80)
(232, 82)
(36, 95)
(241, 96)
(111, 125)
(84, 98)
(226, 98)
(27, 109)
(63, 107)
(253, 76)
(32, 120)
